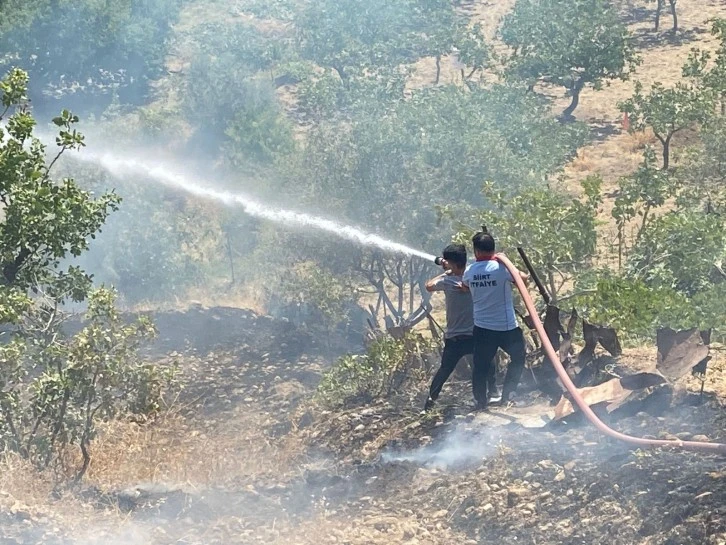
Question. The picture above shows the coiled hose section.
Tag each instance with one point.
(697, 446)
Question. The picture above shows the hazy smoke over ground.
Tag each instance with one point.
(458, 449)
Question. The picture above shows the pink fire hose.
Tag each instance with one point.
(699, 446)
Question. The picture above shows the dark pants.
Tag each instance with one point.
(486, 344)
(454, 349)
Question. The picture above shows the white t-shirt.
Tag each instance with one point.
(491, 291)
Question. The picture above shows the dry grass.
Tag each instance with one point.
(197, 452)
(243, 297)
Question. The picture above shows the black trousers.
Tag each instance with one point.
(454, 349)
(486, 344)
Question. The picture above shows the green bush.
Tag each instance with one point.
(312, 295)
(679, 251)
(635, 309)
(55, 389)
(389, 365)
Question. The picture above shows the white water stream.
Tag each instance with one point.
(124, 167)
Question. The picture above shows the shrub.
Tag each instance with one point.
(389, 365)
(55, 389)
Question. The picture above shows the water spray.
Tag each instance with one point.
(120, 166)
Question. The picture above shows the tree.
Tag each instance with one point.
(666, 111)
(659, 9)
(648, 188)
(377, 39)
(703, 172)
(664, 255)
(55, 388)
(85, 51)
(472, 50)
(710, 79)
(631, 306)
(569, 43)
(557, 231)
(43, 221)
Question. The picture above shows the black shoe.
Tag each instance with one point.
(481, 406)
(429, 404)
(508, 398)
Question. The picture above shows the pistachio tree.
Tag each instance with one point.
(54, 388)
(568, 43)
(666, 110)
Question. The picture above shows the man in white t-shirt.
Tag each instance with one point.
(495, 322)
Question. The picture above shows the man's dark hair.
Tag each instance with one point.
(484, 242)
(455, 254)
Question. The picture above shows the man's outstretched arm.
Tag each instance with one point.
(436, 283)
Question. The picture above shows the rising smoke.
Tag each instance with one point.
(459, 449)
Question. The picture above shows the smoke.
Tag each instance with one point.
(128, 534)
(461, 448)
(162, 173)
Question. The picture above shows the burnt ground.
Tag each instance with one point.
(383, 473)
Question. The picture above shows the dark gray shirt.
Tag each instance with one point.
(459, 308)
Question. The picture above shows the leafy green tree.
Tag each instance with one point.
(246, 117)
(631, 306)
(569, 43)
(666, 110)
(710, 77)
(373, 39)
(703, 172)
(54, 388)
(471, 49)
(557, 231)
(43, 221)
(639, 194)
(680, 250)
(659, 8)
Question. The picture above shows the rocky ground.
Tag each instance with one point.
(246, 458)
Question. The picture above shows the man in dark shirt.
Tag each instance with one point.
(458, 340)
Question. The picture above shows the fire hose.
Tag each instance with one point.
(698, 446)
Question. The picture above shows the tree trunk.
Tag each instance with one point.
(667, 152)
(658, 9)
(230, 256)
(10, 270)
(438, 69)
(576, 90)
(675, 15)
